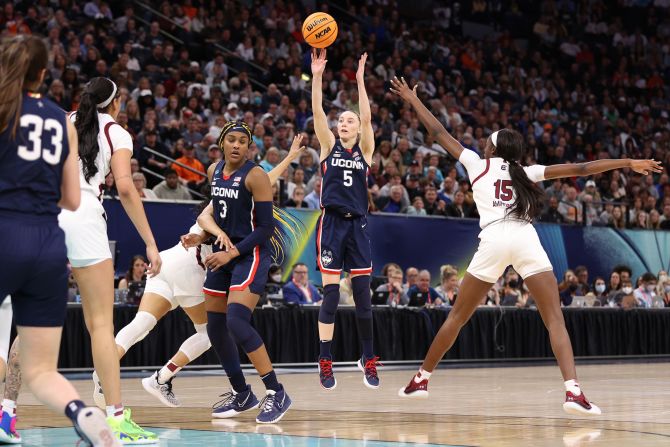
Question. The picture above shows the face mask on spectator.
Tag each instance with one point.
(513, 283)
(651, 287)
(627, 290)
(600, 288)
(258, 100)
(244, 100)
(276, 278)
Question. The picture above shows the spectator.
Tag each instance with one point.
(423, 290)
(647, 291)
(272, 158)
(394, 202)
(665, 219)
(171, 188)
(313, 199)
(448, 289)
(397, 295)
(600, 289)
(300, 289)
(582, 274)
(187, 176)
(298, 179)
(551, 214)
(411, 275)
(298, 198)
(433, 206)
(275, 276)
(136, 272)
(615, 297)
(458, 208)
(448, 190)
(416, 209)
(511, 294)
(570, 208)
(615, 282)
(140, 182)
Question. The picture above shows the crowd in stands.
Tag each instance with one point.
(581, 80)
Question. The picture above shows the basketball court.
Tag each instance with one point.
(504, 406)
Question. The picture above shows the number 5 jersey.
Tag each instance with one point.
(344, 187)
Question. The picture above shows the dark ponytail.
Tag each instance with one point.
(22, 60)
(529, 198)
(97, 91)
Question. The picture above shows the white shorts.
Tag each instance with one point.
(508, 243)
(181, 278)
(86, 232)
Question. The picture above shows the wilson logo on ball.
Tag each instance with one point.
(319, 30)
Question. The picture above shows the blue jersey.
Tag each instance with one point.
(344, 186)
(233, 202)
(31, 165)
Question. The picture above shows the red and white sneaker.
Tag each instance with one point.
(579, 405)
(415, 390)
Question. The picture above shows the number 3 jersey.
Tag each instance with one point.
(233, 203)
(492, 185)
(31, 164)
(344, 187)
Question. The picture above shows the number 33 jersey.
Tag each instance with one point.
(233, 203)
(344, 187)
(492, 185)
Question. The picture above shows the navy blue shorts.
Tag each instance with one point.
(342, 243)
(33, 270)
(250, 271)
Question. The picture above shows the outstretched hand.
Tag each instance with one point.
(646, 166)
(401, 88)
(318, 61)
(360, 73)
(296, 150)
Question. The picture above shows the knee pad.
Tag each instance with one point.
(331, 298)
(239, 325)
(360, 285)
(141, 325)
(197, 344)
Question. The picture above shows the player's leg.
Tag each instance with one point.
(6, 316)
(152, 308)
(8, 433)
(544, 290)
(240, 307)
(471, 292)
(358, 261)
(96, 285)
(159, 384)
(329, 254)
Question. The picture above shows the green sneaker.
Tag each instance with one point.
(128, 432)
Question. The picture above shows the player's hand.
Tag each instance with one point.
(646, 166)
(155, 261)
(217, 260)
(360, 73)
(296, 150)
(223, 242)
(191, 240)
(401, 88)
(318, 61)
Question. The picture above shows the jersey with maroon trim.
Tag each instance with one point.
(111, 137)
(344, 186)
(492, 185)
(233, 203)
(31, 163)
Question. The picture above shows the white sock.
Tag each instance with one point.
(9, 406)
(421, 375)
(115, 411)
(573, 387)
(167, 372)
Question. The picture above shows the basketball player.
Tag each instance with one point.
(38, 174)
(180, 284)
(241, 218)
(342, 237)
(508, 200)
(104, 147)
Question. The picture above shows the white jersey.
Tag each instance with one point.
(492, 185)
(182, 274)
(111, 137)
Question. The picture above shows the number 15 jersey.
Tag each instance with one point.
(492, 185)
(344, 187)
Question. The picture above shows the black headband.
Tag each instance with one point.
(234, 126)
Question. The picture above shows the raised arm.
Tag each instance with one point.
(294, 152)
(367, 134)
(323, 132)
(432, 124)
(596, 167)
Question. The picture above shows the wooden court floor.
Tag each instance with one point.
(516, 406)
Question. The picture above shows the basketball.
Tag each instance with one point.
(319, 30)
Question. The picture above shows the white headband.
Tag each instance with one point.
(494, 138)
(105, 103)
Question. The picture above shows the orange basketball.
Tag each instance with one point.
(319, 30)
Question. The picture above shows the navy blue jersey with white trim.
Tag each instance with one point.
(31, 164)
(344, 186)
(233, 203)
